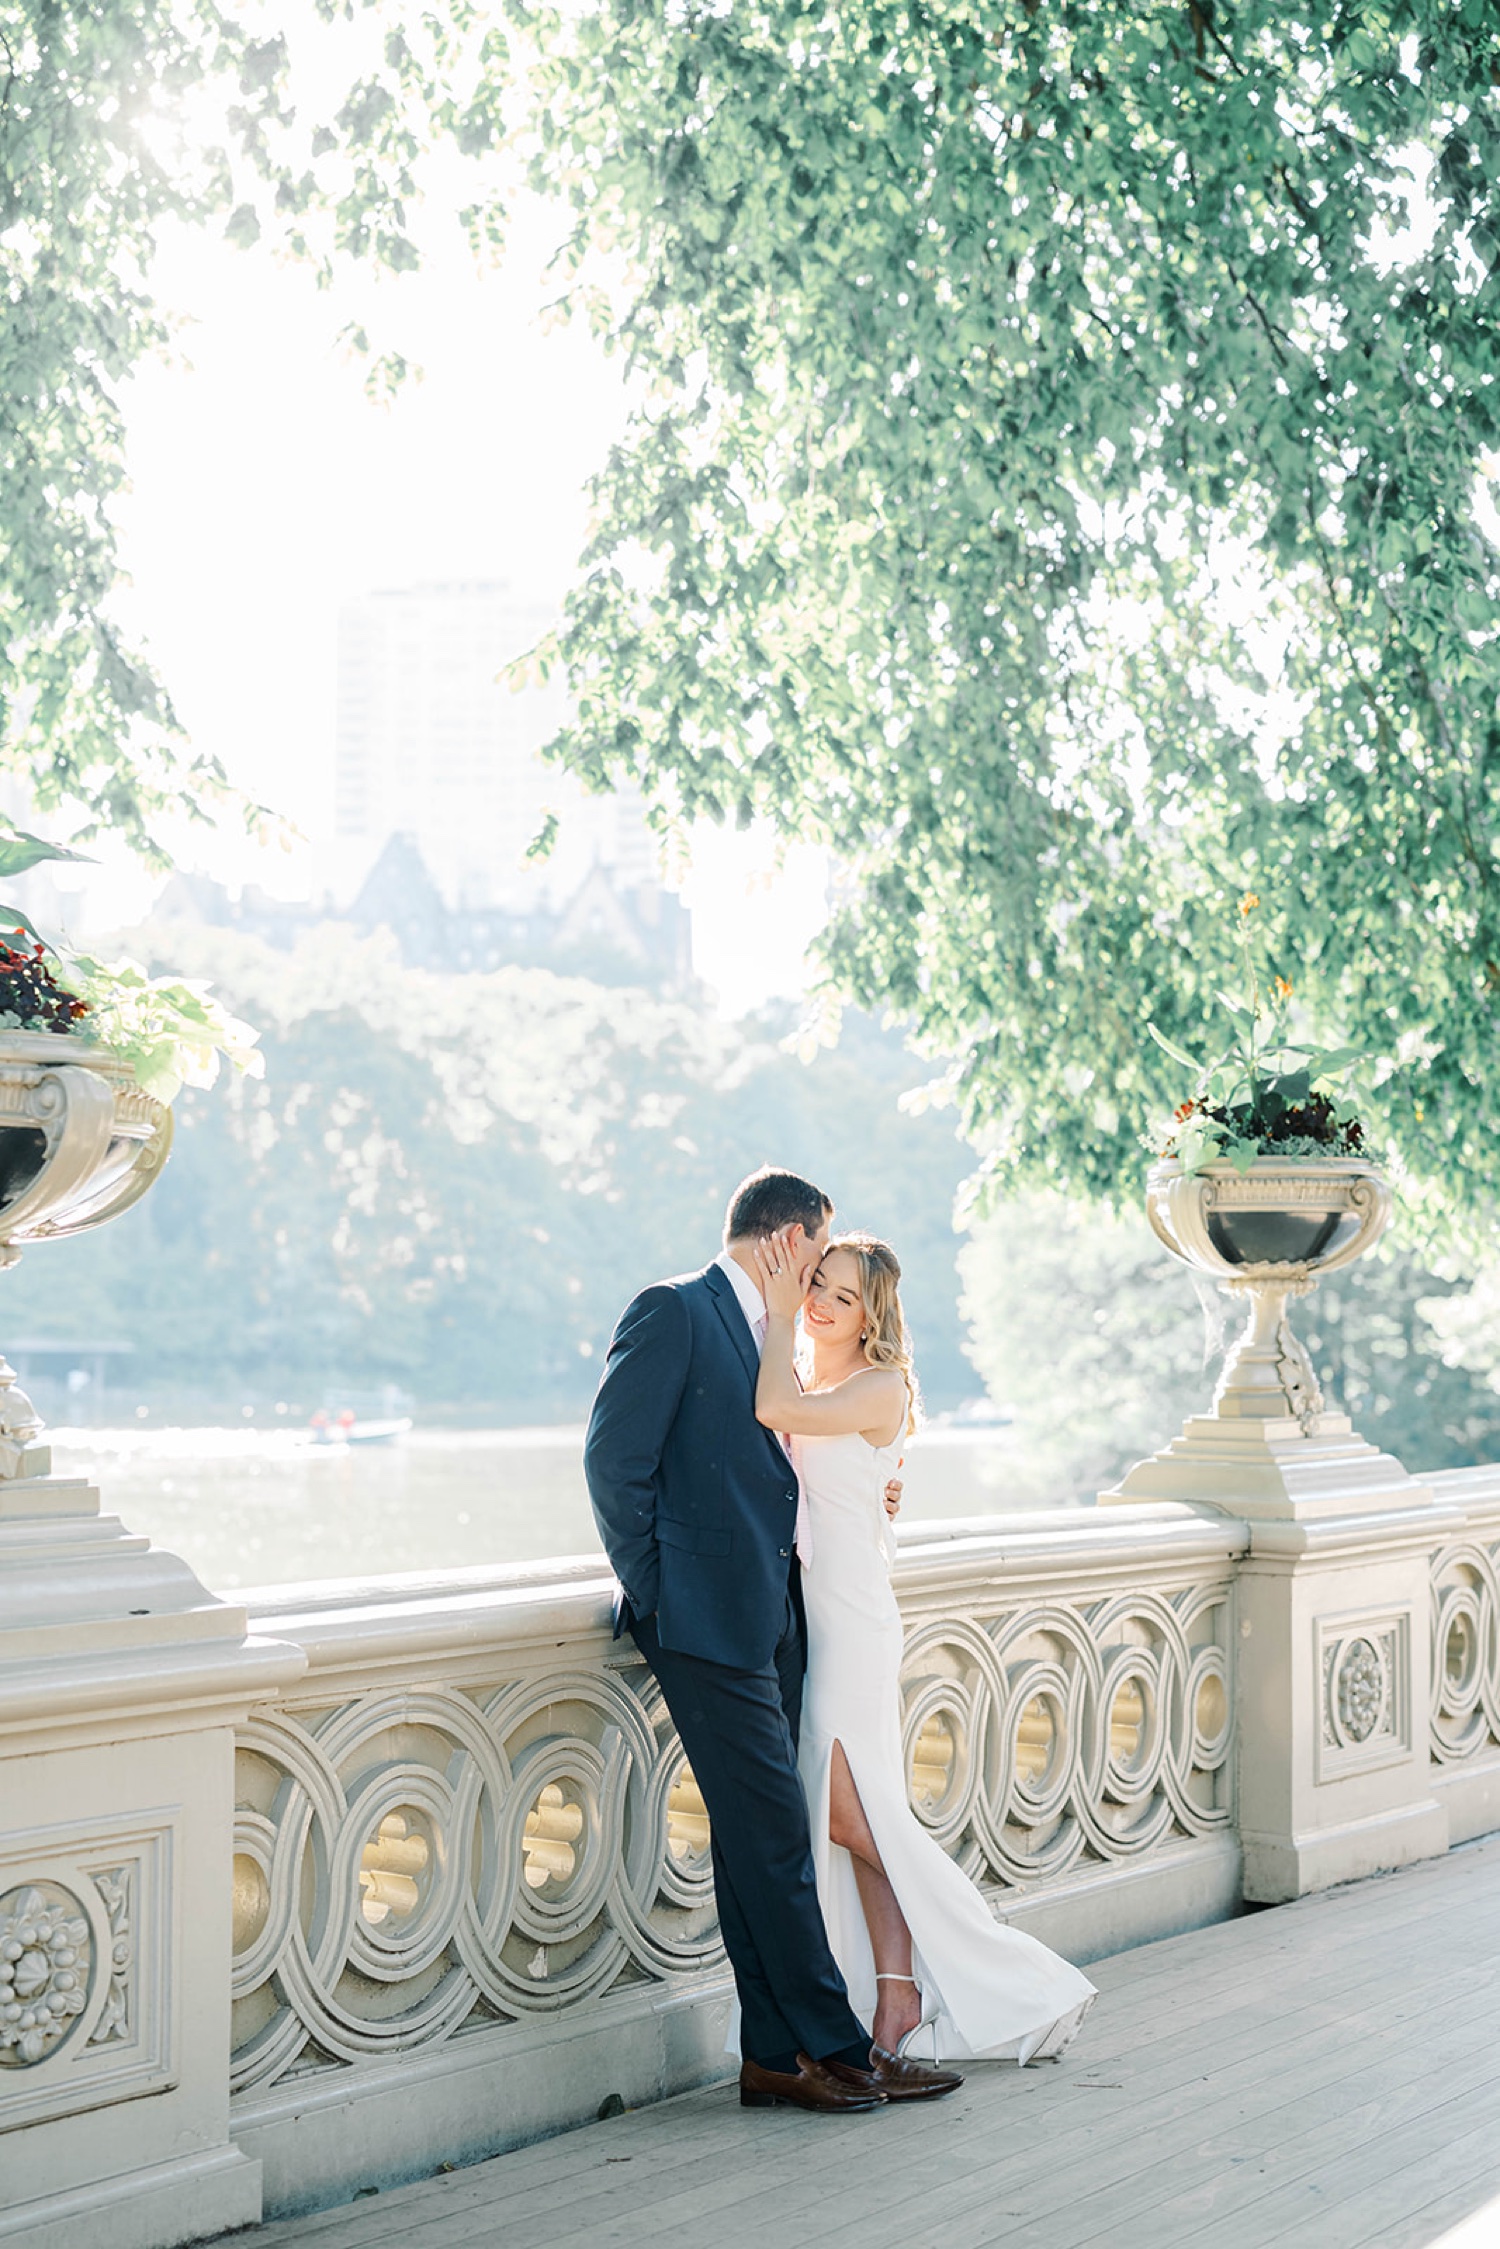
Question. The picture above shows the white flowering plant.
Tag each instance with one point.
(171, 1031)
(1268, 1093)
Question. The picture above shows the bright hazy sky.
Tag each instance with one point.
(266, 489)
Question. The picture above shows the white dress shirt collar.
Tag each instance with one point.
(750, 1300)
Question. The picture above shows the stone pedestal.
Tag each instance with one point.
(1331, 1637)
(1334, 1777)
(1274, 1469)
(121, 1680)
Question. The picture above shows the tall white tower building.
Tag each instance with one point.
(431, 743)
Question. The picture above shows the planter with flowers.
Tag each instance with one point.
(1264, 1182)
(91, 1057)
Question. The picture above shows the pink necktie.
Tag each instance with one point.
(802, 1537)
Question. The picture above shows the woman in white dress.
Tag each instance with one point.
(917, 1944)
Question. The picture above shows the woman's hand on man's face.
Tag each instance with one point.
(784, 1272)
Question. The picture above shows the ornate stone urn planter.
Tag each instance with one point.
(1269, 1233)
(1268, 1445)
(79, 1140)
(79, 1143)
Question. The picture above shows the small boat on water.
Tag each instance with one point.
(376, 1432)
(347, 1431)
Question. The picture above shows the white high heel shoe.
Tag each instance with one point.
(927, 2020)
(900, 2076)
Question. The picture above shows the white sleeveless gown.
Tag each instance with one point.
(1000, 1995)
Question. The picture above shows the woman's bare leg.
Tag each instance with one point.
(897, 2005)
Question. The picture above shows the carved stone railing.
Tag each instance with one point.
(473, 1894)
(432, 1841)
(1465, 1717)
(1069, 1716)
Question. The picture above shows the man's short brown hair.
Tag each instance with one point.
(769, 1200)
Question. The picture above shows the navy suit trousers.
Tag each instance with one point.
(739, 1733)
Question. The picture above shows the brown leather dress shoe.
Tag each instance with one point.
(826, 2086)
(903, 2080)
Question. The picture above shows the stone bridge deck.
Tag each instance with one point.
(1325, 2074)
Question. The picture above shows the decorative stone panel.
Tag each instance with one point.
(1363, 1671)
(85, 1968)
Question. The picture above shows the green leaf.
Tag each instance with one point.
(18, 851)
(242, 227)
(12, 920)
(1334, 1064)
(1177, 1053)
(541, 844)
(1199, 1144)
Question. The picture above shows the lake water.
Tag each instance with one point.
(264, 1507)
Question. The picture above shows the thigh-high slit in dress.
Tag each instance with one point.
(999, 1994)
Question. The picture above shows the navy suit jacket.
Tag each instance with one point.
(696, 1503)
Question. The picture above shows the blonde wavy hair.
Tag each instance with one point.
(887, 1340)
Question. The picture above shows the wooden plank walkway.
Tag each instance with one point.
(1324, 2075)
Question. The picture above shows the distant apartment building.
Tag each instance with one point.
(432, 745)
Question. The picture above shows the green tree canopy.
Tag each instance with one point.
(1055, 476)
(1054, 482)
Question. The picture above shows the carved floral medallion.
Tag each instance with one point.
(46, 1968)
(1361, 1690)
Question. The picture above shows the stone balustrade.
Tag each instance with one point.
(321, 1889)
(472, 1887)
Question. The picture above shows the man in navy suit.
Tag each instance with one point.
(697, 1505)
